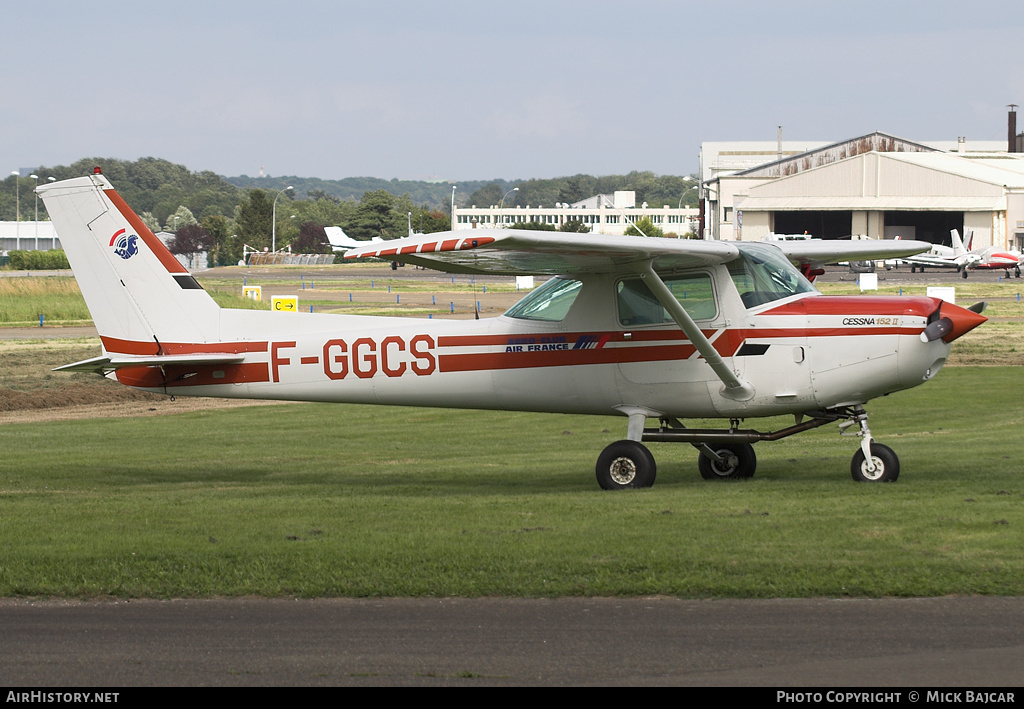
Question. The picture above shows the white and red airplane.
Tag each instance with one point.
(991, 257)
(643, 328)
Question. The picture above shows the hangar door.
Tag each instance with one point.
(933, 227)
(822, 225)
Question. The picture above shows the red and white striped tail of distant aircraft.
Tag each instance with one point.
(991, 257)
(643, 328)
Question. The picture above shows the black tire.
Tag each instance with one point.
(887, 465)
(964, 273)
(624, 465)
(740, 462)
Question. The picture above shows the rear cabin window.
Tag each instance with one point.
(550, 302)
(638, 306)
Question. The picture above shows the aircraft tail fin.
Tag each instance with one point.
(140, 297)
(958, 244)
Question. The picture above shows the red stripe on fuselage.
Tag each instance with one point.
(485, 361)
(921, 306)
(136, 347)
(186, 376)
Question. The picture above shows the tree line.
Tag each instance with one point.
(221, 216)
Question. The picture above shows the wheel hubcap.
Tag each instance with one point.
(622, 470)
(875, 474)
(728, 464)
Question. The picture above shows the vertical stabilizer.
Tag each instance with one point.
(140, 297)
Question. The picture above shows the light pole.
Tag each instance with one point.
(453, 206)
(501, 204)
(17, 208)
(273, 226)
(36, 178)
(688, 179)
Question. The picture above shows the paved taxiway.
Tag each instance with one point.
(922, 643)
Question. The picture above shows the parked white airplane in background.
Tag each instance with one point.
(956, 256)
(993, 257)
(643, 328)
(340, 241)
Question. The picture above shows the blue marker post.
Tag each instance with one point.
(40, 319)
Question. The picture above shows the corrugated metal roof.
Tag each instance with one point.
(857, 204)
(1004, 170)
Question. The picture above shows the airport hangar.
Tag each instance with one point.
(876, 185)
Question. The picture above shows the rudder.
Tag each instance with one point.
(139, 295)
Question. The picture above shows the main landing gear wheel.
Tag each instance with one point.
(887, 465)
(738, 461)
(625, 464)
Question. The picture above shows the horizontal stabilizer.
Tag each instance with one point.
(105, 364)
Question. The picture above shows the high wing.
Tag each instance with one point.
(814, 254)
(521, 252)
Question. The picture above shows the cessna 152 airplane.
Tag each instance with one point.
(644, 328)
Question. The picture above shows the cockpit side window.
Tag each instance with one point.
(550, 302)
(762, 274)
(638, 306)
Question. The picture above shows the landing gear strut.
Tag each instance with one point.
(729, 454)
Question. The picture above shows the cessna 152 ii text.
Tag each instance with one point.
(643, 328)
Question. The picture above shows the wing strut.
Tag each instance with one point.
(735, 388)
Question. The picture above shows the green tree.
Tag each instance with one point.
(225, 249)
(181, 217)
(575, 226)
(312, 239)
(488, 195)
(378, 214)
(255, 214)
(430, 221)
(190, 240)
(643, 227)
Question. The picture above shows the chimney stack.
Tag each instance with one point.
(1011, 129)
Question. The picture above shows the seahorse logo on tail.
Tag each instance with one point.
(124, 244)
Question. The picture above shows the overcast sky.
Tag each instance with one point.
(476, 90)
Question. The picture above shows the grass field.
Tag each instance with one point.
(321, 500)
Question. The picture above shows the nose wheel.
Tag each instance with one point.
(883, 468)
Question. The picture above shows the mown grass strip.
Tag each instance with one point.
(322, 500)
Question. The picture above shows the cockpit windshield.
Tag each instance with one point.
(762, 275)
(550, 302)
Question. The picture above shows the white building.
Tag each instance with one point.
(28, 236)
(603, 214)
(877, 185)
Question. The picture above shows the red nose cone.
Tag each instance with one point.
(963, 320)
